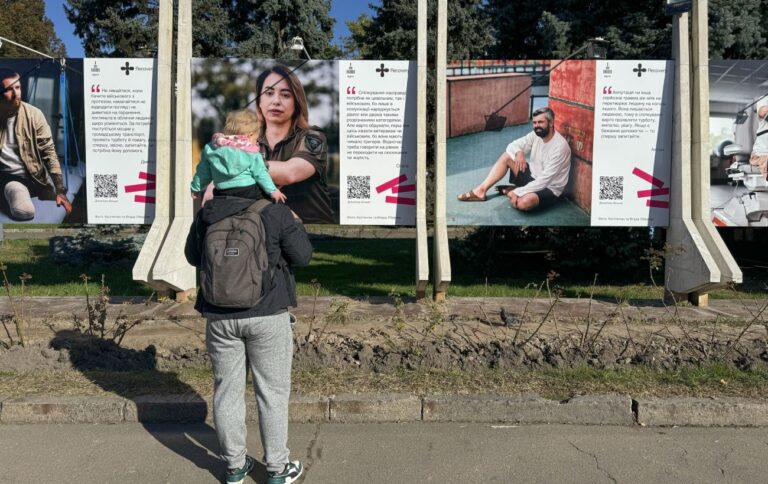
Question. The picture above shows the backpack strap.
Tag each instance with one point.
(258, 205)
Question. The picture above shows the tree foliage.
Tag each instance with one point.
(24, 21)
(263, 28)
(477, 28)
(116, 28)
(529, 29)
(535, 28)
(220, 28)
(390, 33)
(735, 29)
(554, 32)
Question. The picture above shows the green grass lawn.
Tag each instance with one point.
(50, 278)
(710, 380)
(354, 267)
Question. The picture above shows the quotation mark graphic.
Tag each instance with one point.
(351, 90)
(95, 87)
(607, 89)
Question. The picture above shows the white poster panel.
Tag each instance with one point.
(377, 110)
(120, 140)
(633, 143)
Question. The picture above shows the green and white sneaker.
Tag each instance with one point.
(290, 473)
(237, 476)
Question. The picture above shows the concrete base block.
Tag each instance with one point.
(301, 409)
(166, 408)
(305, 409)
(46, 409)
(592, 410)
(375, 408)
(702, 412)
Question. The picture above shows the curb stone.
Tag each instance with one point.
(386, 407)
(46, 409)
(585, 410)
(350, 408)
(702, 412)
(309, 409)
(301, 409)
(166, 408)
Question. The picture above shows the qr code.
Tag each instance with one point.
(611, 188)
(105, 186)
(359, 187)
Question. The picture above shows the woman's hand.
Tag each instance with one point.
(289, 172)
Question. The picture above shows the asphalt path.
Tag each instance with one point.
(391, 453)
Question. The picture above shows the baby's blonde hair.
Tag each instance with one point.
(242, 122)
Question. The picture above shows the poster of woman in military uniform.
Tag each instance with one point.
(297, 103)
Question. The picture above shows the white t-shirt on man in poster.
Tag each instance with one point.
(549, 163)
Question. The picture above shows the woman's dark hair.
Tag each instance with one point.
(301, 111)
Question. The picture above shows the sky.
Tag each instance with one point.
(341, 10)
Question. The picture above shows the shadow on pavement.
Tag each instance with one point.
(99, 359)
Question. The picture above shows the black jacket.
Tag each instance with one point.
(287, 244)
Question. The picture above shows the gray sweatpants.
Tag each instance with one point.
(268, 341)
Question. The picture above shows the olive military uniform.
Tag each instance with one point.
(308, 198)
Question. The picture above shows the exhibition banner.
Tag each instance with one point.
(633, 143)
(338, 137)
(378, 142)
(551, 143)
(120, 140)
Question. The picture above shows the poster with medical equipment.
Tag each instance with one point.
(738, 142)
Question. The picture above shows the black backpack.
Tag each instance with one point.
(234, 269)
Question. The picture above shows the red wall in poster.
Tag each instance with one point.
(572, 98)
